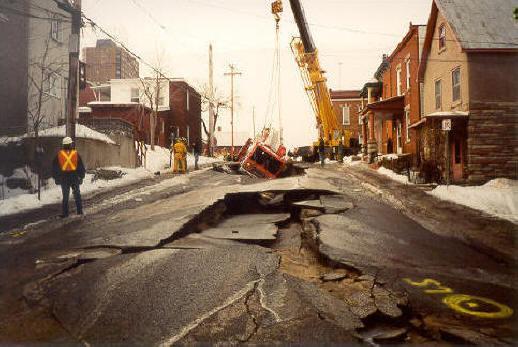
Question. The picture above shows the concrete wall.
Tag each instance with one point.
(440, 65)
(95, 154)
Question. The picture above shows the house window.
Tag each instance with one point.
(455, 81)
(135, 95)
(51, 85)
(398, 81)
(55, 28)
(442, 37)
(408, 74)
(407, 122)
(438, 96)
(346, 115)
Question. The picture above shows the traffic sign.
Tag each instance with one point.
(446, 124)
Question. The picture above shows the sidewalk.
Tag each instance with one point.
(493, 236)
(20, 219)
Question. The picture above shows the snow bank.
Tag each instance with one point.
(81, 131)
(20, 200)
(350, 162)
(394, 176)
(6, 140)
(52, 194)
(158, 160)
(391, 156)
(498, 197)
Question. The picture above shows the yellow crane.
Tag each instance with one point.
(315, 82)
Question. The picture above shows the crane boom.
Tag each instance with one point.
(302, 24)
(315, 83)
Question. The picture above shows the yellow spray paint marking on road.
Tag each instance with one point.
(476, 306)
(467, 304)
(430, 282)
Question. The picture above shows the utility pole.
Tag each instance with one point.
(211, 101)
(232, 73)
(74, 8)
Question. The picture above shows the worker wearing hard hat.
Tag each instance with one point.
(68, 171)
(180, 157)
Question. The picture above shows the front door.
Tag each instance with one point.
(457, 159)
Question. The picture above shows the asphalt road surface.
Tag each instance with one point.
(217, 258)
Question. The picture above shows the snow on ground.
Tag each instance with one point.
(498, 197)
(392, 175)
(349, 161)
(157, 160)
(5, 140)
(81, 131)
(52, 193)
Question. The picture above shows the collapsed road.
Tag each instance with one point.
(219, 258)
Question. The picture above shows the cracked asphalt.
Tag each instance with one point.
(143, 268)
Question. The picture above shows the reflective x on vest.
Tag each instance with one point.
(67, 160)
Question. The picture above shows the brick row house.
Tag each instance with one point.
(461, 68)
(347, 105)
(179, 108)
(393, 99)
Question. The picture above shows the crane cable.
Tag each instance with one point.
(278, 54)
(274, 96)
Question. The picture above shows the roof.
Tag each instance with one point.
(394, 103)
(448, 114)
(482, 24)
(412, 30)
(345, 94)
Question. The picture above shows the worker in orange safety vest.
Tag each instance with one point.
(180, 157)
(68, 171)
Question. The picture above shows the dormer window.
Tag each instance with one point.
(442, 37)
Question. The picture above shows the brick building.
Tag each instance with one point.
(470, 77)
(179, 109)
(347, 105)
(395, 104)
(107, 61)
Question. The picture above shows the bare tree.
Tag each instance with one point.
(44, 91)
(44, 84)
(218, 101)
(151, 90)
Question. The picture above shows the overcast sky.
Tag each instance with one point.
(354, 33)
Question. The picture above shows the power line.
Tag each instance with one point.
(340, 28)
(123, 46)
